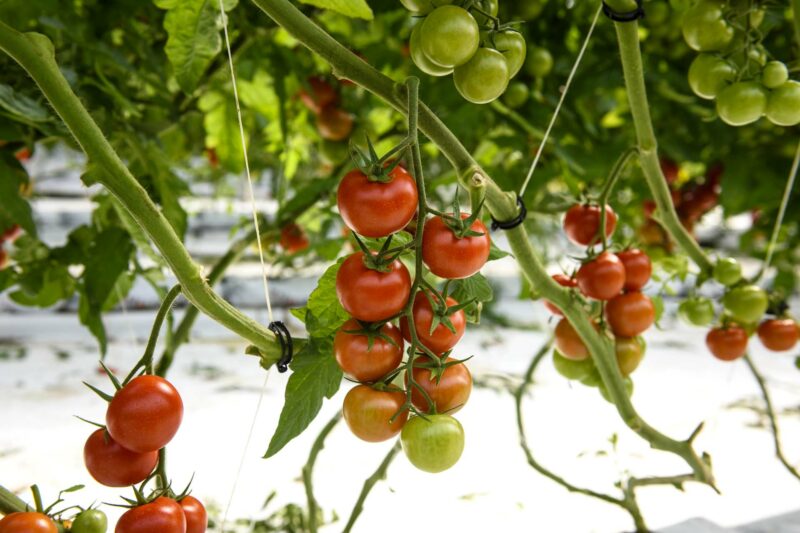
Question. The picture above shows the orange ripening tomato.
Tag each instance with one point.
(27, 523)
(448, 391)
(630, 314)
(569, 343)
(778, 334)
(363, 362)
(601, 278)
(368, 413)
(727, 344)
(582, 224)
(638, 268)
(293, 239)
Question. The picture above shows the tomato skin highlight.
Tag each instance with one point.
(368, 412)
(442, 339)
(195, 513)
(376, 209)
(449, 257)
(630, 314)
(369, 295)
(582, 224)
(727, 344)
(112, 465)
(27, 523)
(435, 444)
(602, 278)
(448, 395)
(145, 414)
(564, 281)
(363, 363)
(568, 342)
(638, 268)
(778, 334)
(163, 515)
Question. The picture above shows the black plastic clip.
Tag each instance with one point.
(513, 223)
(628, 16)
(287, 348)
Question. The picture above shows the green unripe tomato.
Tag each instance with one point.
(539, 62)
(630, 352)
(774, 75)
(627, 382)
(420, 59)
(423, 7)
(516, 95)
(483, 78)
(512, 45)
(449, 36)
(433, 445)
(709, 74)
(746, 304)
(783, 104)
(742, 103)
(727, 271)
(704, 27)
(90, 521)
(489, 6)
(757, 17)
(592, 379)
(572, 369)
(697, 311)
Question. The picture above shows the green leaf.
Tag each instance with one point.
(496, 253)
(351, 8)
(315, 375)
(194, 38)
(325, 314)
(44, 285)
(299, 313)
(91, 318)
(475, 288)
(22, 108)
(222, 130)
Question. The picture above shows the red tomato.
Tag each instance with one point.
(11, 233)
(3, 257)
(368, 413)
(630, 314)
(374, 208)
(23, 154)
(163, 515)
(569, 343)
(727, 344)
(322, 95)
(145, 414)
(449, 257)
(670, 170)
(778, 334)
(564, 281)
(293, 238)
(638, 268)
(582, 224)
(369, 295)
(114, 466)
(195, 513)
(334, 124)
(441, 339)
(448, 391)
(602, 278)
(365, 363)
(27, 523)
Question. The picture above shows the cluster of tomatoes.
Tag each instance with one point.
(467, 42)
(375, 288)
(322, 99)
(612, 280)
(733, 67)
(142, 418)
(744, 305)
(8, 235)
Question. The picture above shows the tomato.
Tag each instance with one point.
(23, 154)
(592, 379)
(368, 413)
(441, 339)
(539, 62)
(727, 271)
(322, 95)
(423, 7)
(774, 75)
(709, 74)
(512, 45)
(727, 344)
(11, 233)
(568, 342)
(162, 514)
(746, 304)
(145, 414)
(483, 78)
(697, 311)
(334, 124)
(451, 257)
(90, 521)
(602, 278)
(516, 95)
(448, 389)
(27, 523)
(742, 103)
(420, 59)
(629, 352)
(3, 257)
(778, 334)
(564, 281)
(114, 466)
(704, 27)
(630, 314)
(434, 443)
(213, 157)
(638, 268)
(582, 224)
(370, 295)
(367, 359)
(783, 105)
(449, 36)
(195, 513)
(572, 369)
(293, 239)
(375, 208)
(626, 382)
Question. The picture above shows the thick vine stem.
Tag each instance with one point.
(308, 470)
(369, 483)
(34, 52)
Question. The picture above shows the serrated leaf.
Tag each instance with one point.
(350, 8)
(222, 132)
(475, 288)
(325, 314)
(315, 376)
(299, 313)
(496, 253)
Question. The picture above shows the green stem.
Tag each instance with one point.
(35, 54)
(608, 187)
(163, 310)
(369, 483)
(308, 471)
(11, 503)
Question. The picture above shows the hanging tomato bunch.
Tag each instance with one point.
(466, 39)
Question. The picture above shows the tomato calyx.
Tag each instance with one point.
(376, 169)
(461, 226)
(371, 331)
(441, 311)
(438, 365)
(381, 260)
